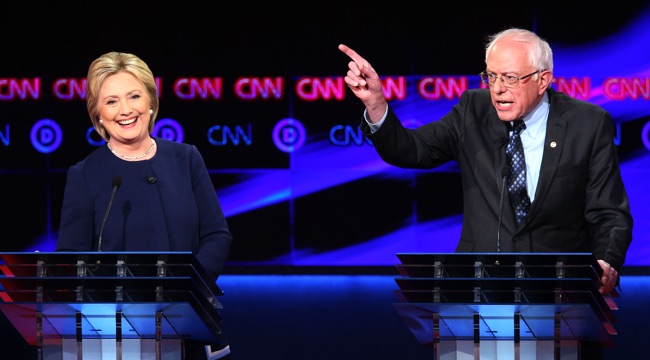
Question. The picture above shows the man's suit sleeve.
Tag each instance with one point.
(607, 208)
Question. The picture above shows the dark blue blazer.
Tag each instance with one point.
(179, 211)
(581, 204)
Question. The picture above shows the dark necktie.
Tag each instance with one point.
(517, 182)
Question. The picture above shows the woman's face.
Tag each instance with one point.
(124, 108)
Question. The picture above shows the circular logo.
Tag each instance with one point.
(289, 135)
(168, 129)
(46, 136)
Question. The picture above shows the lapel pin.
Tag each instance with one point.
(553, 144)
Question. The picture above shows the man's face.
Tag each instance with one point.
(509, 58)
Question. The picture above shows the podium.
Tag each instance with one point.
(109, 305)
(504, 305)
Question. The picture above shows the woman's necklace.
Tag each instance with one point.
(125, 157)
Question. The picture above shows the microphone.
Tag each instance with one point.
(151, 179)
(117, 181)
(505, 173)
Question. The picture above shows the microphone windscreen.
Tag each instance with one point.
(117, 181)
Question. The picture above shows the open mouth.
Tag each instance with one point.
(128, 121)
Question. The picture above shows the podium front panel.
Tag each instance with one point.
(60, 295)
(503, 296)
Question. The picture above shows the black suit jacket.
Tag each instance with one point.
(581, 204)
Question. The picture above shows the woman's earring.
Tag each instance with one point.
(150, 111)
(101, 121)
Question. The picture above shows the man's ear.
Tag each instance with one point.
(545, 80)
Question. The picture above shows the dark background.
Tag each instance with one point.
(234, 39)
(289, 39)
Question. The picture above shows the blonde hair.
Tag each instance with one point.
(110, 64)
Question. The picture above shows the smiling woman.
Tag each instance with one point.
(165, 199)
(122, 102)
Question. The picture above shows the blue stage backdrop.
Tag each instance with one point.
(266, 104)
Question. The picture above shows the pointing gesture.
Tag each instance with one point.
(364, 82)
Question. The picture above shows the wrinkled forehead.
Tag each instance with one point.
(509, 56)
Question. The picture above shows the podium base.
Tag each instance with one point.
(102, 349)
(504, 349)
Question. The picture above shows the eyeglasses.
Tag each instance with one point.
(510, 81)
